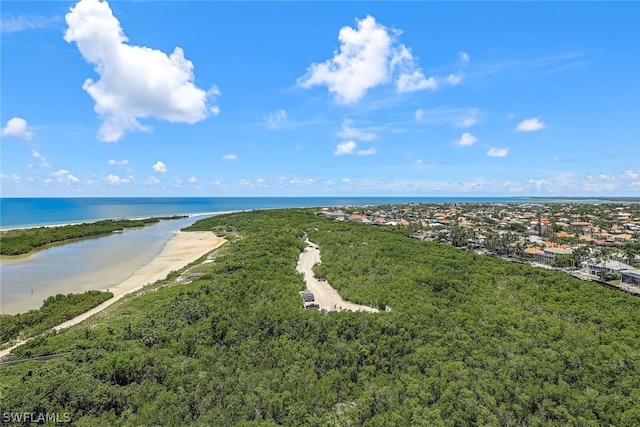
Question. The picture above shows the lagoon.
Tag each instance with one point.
(88, 264)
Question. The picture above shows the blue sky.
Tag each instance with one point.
(319, 98)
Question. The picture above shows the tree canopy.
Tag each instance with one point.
(470, 340)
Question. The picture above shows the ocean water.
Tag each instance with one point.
(27, 212)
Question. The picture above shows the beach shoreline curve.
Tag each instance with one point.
(182, 249)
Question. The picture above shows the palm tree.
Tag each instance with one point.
(629, 253)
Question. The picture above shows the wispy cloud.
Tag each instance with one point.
(367, 152)
(558, 159)
(498, 152)
(122, 162)
(548, 62)
(229, 157)
(13, 178)
(349, 131)
(459, 117)
(275, 120)
(14, 24)
(38, 160)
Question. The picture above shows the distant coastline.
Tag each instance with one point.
(599, 199)
(20, 212)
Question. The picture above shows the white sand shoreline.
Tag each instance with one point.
(182, 249)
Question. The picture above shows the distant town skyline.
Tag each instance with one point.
(319, 99)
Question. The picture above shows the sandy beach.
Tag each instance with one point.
(183, 248)
(80, 265)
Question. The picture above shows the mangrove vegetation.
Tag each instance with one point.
(469, 340)
(55, 310)
(23, 241)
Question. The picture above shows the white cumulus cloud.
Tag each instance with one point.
(530, 125)
(192, 180)
(160, 167)
(346, 147)
(115, 180)
(135, 81)
(369, 56)
(498, 152)
(466, 140)
(229, 157)
(275, 120)
(631, 174)
(63, 176)
(17, 128)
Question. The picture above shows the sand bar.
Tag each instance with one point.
(182, 249)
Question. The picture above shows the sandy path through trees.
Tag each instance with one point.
(325, 296)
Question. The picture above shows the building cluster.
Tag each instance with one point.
(594, 241)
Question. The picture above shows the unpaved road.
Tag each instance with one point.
(325, 296)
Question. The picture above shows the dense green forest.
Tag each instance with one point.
(470, 340)
(54, 310)
(22, 241)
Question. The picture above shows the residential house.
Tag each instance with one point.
(631, 277)
(547, 255)
(594, 267)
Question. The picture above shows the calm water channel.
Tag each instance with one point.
(88, 264)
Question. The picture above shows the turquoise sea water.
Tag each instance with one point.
(24, 212)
